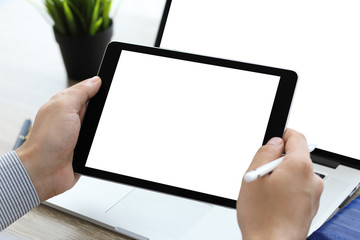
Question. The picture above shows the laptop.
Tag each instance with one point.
(299, 35)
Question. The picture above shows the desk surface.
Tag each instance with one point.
(46, 223)
(31, 72)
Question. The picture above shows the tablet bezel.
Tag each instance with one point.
(275, 127)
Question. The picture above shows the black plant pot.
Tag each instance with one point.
(82, 54)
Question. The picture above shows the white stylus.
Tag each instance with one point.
(268, 168)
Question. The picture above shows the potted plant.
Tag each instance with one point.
(83, 29)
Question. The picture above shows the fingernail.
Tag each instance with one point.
(92, 80)
(275, 141)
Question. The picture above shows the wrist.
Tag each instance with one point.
(27, 155)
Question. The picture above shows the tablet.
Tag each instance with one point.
(180, 123)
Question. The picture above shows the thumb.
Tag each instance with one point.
(272, 150)
(88, 88)
(78, 95)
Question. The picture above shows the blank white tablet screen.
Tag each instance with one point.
(317, 39)
(184, 124)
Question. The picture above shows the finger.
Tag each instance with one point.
(297, 155)
(79, 94)
(82, 113)
(90, 83)
(318, 189)
(295, 142)
(87, 89)
(319, 183)
(272, 150)
(76, 177)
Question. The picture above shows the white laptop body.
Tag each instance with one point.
(143, 214)
(124, 209)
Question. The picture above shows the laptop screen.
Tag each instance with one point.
(186, 124)
(317, 39)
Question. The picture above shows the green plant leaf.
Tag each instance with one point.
(70, 18)
(95, 27)
(53, 10)
(79, 16)
(94, 17)
(106, 11)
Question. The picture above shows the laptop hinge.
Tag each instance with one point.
(323, 160)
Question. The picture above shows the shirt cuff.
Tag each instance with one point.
(17, 193)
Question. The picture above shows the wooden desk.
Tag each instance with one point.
(31, 71)
(46, 223)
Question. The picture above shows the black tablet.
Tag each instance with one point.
(180, 123)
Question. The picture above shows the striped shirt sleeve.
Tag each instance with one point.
(17, 193)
